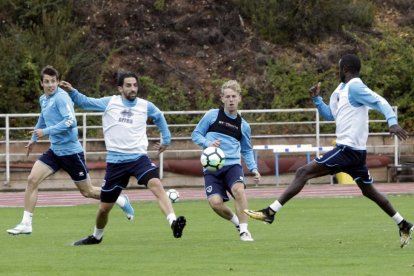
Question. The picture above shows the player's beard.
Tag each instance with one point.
(131, 96)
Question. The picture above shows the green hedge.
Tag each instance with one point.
(285, 21)
(40, 33)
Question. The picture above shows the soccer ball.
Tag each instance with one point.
(173, 195)
(212, 159)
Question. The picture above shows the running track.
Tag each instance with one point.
(71, 198)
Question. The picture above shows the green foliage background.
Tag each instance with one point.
(45, 32)
(284, 21)
(41, 33)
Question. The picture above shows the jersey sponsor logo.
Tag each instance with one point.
(126, 115)
(125, 120)
(228, 125)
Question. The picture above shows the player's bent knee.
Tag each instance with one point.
(87, 193)
(303, 173)
(86, 189)
(155, 185)
(215, 203)
(33, 181)
(238, 192)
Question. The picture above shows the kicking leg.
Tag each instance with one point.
(89, 191)
(177, 224)
(217, 204)
(303, 174)
(406, 228)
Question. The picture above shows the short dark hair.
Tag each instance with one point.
(123, 75)
(352, 62)
(49, 70)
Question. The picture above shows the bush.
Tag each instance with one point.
(41, 33)
(284, 21)
(388, 70)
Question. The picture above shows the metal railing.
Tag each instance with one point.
(265, 124)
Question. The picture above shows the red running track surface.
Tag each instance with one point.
(71, 198)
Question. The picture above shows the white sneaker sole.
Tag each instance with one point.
(20, 229)
(246, 238)
(17, 232)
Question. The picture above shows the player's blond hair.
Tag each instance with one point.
(231, 84)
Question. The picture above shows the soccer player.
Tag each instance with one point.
(226, 129)
(57, 120)
(348, 107)
(125, 130)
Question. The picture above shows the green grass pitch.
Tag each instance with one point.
(318, 236)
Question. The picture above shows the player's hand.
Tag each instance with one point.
(257, 176)
(215, 143)
(160, 147)
(399, 132)
(315, 90)
(66, 86)
(38, 132)
(29, 147)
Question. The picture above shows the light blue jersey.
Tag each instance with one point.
(58, 121)
(124, 124)
(348, 107)
(233, 149)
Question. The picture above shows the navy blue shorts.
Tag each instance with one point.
(221, 181)
(73, 164)
(347, 160)
(117, 176)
